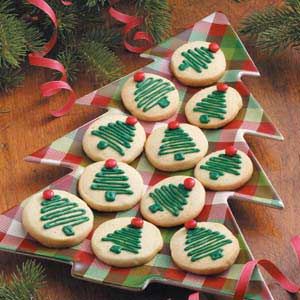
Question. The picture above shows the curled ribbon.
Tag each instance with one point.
(249, 268)
(131, 23)
(38, 59)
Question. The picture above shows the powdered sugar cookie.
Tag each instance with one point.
(114, 136)
(213, 107)
(223, 170)
(150, 97)
(126, 242)
(204, 248)
(176, 146)
(173, 201)
(110, 186)
(198, 63)
(57, 219)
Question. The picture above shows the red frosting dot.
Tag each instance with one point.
(189, 183)
(191, 224)
(110, 163)
(173, 125)
(230, 150)
(48, 194)
(137, 222)
(139, 76)
(222, 87)
(213, 47)
(131, 120)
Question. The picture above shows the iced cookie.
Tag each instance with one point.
(114, 136)
(126, 242)
(213, 107)
(57, 219)
(150, 97)
(176, 146)
(204, 248)
(198, 63)
(173, 201)
(110, 186)
(223, 170)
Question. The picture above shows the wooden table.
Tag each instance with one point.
(28, 126)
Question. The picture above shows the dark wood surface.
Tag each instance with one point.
(28, 126)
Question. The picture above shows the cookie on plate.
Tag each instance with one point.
(213, 107)
(176, 146)
(57, 219)
(224, 170)
(198, 63)
(204, 248)
(126, 242)
(150, 97)
(110, 186)
(173, 201)
(114, 136)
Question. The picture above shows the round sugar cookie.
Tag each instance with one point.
(114, 136)
(176, 146)
(173, 201)
(213, 107)
(204, 248)
(224, 170)
(150, 97)
(198, 63)
(57, 219)
(126, 242)
(110, 186)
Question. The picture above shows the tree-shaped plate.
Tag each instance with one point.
(67, 151)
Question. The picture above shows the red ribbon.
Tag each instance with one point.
(131, 23)
(37, 59)
(249, 268)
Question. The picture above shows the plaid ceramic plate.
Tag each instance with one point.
(67, 151)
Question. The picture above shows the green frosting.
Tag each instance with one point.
(61, 211)
(213, 106)
(113, 181)
(169, 197)
(177, 142)
(197, 58)
(117, 136)
(218, 166)
(125, 239)
(201, 242)
(151, 92)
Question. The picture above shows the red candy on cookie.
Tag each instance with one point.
(110, 163)
(213, 47)
(173, 125)
(230, 151)
(189, 183)
(222, 87)
(139, 76)
(131, 120)
(137, 222)
(48, 194)
(191, 224)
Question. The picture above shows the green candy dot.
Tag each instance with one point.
(214, 175)
(164, 103)
(110, 196)
(102, 145)
(179, 156)
(204, 119)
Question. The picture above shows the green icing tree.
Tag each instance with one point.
(177, 142)
(61, 211)
(169, 197)
(113, 181)
(218, 166)
(125, 239)
(117, 135)
(213, 106)
(202, 242)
